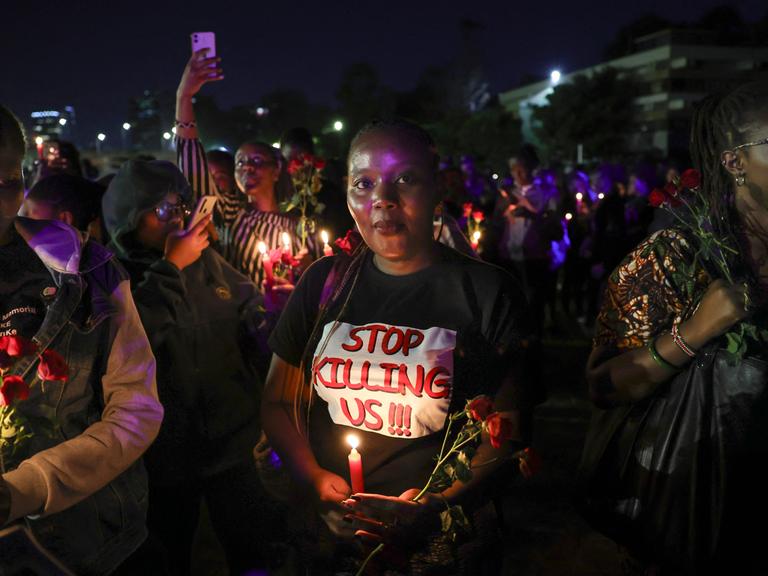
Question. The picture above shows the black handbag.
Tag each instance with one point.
(680, 478)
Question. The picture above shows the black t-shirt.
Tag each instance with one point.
(25, 285)
(407, 352)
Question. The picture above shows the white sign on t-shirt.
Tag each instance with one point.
(391, 380)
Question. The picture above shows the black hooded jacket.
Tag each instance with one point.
(206, 327)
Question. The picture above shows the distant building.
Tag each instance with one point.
(673, 69)
(54, 124)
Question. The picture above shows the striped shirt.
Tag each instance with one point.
(240, 226)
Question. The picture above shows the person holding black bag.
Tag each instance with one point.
(674, 462)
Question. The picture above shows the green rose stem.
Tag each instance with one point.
(442, 458)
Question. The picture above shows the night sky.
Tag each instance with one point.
(95, 55)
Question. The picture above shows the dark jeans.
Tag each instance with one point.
(244, 519)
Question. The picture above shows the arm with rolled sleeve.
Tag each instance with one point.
(61, 476)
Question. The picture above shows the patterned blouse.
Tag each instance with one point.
(655, 286)
(240, 226)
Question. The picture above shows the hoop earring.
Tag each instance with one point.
(741, 179)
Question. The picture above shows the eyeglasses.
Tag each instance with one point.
(166, 211)
(255, 161)
(750, 144)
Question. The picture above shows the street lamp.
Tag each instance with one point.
(276, 145)
(338, 125)
(554, 77)
(166, 135)
(126, 126)
(100, 137)
(63, 121)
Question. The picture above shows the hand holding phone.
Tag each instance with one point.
(205, 206)
(202, 40)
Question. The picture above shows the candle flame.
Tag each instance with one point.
(262, 247)
(324, 236)
(353, 441)
(568, 216)
(286, 240)
(476, 236)
(579, 196)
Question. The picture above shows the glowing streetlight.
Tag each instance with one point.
(126, 126)
(338, 125)
(554, 76)
(62, 121)
(166, 135)
(173, 130)
(276, 145)
(101, 136)
(601, 196)
(495, 176)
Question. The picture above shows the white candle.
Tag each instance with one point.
(327, 250)
(266, 262)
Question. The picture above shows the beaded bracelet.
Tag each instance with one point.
(682, 344)
(191, 124)
(658, 358)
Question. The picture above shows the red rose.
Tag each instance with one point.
(656, 198)
(467, 209)
(478, 216)
(319, 163)
(670, 190)
(480, 407)
(530, 463)
(13, 388)
(690, 179)
(499, 428)
(350, 242)
(52, 366)
(295, 165)
(17, 345)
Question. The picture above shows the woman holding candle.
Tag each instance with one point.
(385, 344)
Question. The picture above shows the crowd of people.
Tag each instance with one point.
(150, 363)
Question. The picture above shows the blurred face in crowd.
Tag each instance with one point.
(520, 174)
(392, 193)
(154, 225)
(222, 176)
(11, 188)
(256, 170)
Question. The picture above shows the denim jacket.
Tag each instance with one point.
(82, 488)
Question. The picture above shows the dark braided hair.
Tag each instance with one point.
(721, 122)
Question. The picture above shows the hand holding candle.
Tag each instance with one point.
(266, 262)
(327, 250)
(355, 465)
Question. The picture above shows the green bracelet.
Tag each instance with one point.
(658, 359)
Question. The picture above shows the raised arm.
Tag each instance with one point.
(190, 152)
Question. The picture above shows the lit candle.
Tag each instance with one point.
(476, 239)
(39, 144)
(286, 239)
(266, 262)
(327, 250)
(355, 465)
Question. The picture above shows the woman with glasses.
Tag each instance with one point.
(250, 214)
(666, 312)
(205, 323)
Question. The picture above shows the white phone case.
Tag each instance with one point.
(204, 207)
